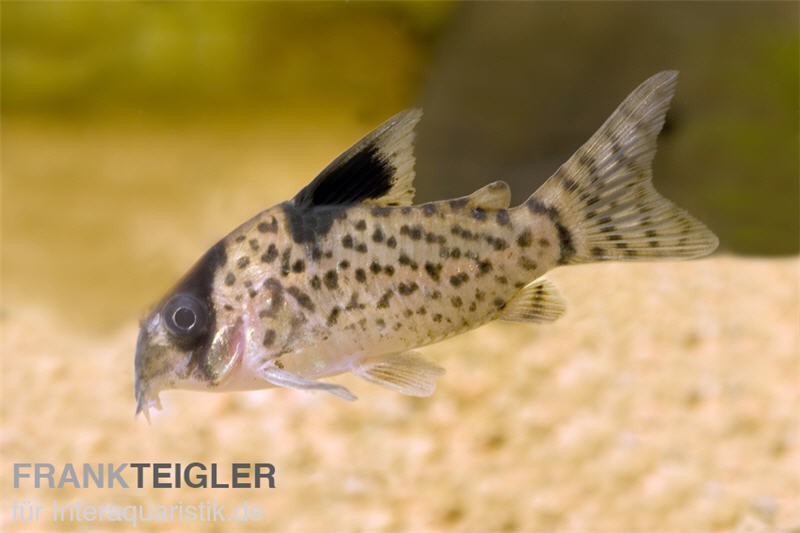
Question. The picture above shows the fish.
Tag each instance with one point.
(351, 276)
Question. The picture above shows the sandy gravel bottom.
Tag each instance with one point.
(667, 399)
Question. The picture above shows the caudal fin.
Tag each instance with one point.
(603, 196)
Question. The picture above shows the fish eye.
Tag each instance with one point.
(185, 316)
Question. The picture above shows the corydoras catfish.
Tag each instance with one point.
(350, 276)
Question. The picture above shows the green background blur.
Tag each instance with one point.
(135, 134)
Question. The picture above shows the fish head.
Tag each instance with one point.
(183, 342)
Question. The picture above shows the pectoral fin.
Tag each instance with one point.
(406, 373)
(537, 302)
(284, 378)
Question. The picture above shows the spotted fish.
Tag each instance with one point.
(349, 276)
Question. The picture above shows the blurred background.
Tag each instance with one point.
(136, 134)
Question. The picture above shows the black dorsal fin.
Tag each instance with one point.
(377, 170)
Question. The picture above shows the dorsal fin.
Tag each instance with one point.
(496, 195)
(377, 170)
(537, 302)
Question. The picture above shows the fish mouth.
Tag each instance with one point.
(145, 401)
(146, 395)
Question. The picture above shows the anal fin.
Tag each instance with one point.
(537, 302)
(284, 378)
(406, 373)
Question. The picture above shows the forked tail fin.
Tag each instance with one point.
(604, 197)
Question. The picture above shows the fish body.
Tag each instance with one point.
(349, 276)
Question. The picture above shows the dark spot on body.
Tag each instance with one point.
(499, 303)
(397, 326)
(479, 295)
(458, 203)
(253, 244)
(388, 270)
(457, 279)
(432, 238)
(306, 224)
(383, 303)
(381, 323)
(361, 276)
(331, 279)
(422, 310)
(407, 261)
(502, 280)
(361, 225)
(436, 295)
(361, 248)
(437, 317)
(269, 337)
(433, 270)
(242, 262)
(230, 279)
(413, 232)
(299, 266)
(344, 264)
(497, 243)
(270, 255)
(380, 211)
(347, 241)
(333, 317)
(484, 267)
(377, 235)
(449, 253)
(391, 242)
(527, 263)
(302, 298)
(407, 313)
(428, 209)
(268, 227)
(286, 256)
(375, 267)
(473, 306)
(502, 217)
(406, 289)
(456, 301)
(240, 238)
(316, 283)
(524, 239)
